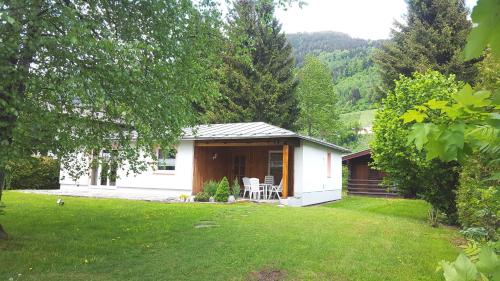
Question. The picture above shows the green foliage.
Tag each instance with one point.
(222, 192)
(257, 79)
(486, 32)
(315, 43)
(33, 173)
(433, 217)
(355, 76)
(210, 187)
(407, 167)
(317, 100)
(432, 37)
(202, 197)
(478, 199)
(235, 188)
(469, 121)
(349, 62)
(83, 76)
(486, 266)
(474, 233)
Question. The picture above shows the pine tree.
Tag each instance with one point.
(432, 38)
(258, 82)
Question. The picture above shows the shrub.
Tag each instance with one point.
(210, 187)
(478, 199)
(34, 173)
(201, 197)
(235, 188)
(477, 262)
(222, 192)
(406, 166)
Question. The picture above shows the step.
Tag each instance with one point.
(374, 185)
(360, 180)
(374, 194)
(368, 189)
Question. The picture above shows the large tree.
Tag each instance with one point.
(432, 37)
(258, 81)
(93, 75)
(319, 116)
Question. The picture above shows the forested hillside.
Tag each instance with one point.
(349, 60)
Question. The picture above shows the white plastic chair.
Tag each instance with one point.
(246, 186)
(277, 189)
(255, 190)
(268, 183)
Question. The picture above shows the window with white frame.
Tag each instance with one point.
(166, 159)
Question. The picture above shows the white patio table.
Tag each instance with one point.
(265, 188)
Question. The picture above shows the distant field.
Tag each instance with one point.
(364, 117)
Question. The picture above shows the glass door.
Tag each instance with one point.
(275, 165)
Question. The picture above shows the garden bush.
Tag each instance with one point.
(210, 187)
(202, 197)
(235, 188)
(222, 192)
(34, 173)
(478, 199)
(405, 165)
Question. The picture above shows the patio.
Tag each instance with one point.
(257, 159)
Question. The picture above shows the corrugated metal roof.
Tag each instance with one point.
(251, 130)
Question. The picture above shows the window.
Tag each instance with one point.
(104, 168)
(166, 159)
(329, 164)
(275, 165)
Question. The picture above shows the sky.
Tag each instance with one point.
(368, 19)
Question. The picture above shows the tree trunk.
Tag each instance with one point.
(3, 234)
(2, 182)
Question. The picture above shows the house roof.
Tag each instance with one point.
(357, 154)
(251, 130)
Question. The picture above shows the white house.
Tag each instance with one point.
(311, 169)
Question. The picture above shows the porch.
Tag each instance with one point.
(257, 158)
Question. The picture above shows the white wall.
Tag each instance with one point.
(157, 183)
(311, 182)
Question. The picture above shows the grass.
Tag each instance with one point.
(106, 239)
(365, 117)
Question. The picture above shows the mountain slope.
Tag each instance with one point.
(349, 59)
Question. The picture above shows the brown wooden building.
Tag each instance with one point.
(363, 179)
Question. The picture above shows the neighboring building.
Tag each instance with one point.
(363, 179)
(311, 169)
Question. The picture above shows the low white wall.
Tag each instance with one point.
(312, 185)
(156, 183)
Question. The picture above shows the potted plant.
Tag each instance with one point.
(183, 197)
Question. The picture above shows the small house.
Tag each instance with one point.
(309, 169)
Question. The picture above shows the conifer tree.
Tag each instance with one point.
(258, 81)
(432, 37)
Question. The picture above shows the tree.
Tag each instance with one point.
(88, 76)
(433, 37)
(258, 75)
(472, 116)
(319, 116)
(407, 167)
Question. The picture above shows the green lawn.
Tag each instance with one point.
(103, 239)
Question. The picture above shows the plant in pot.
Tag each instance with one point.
(235, 190)
(184, 197)
(222, 193)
